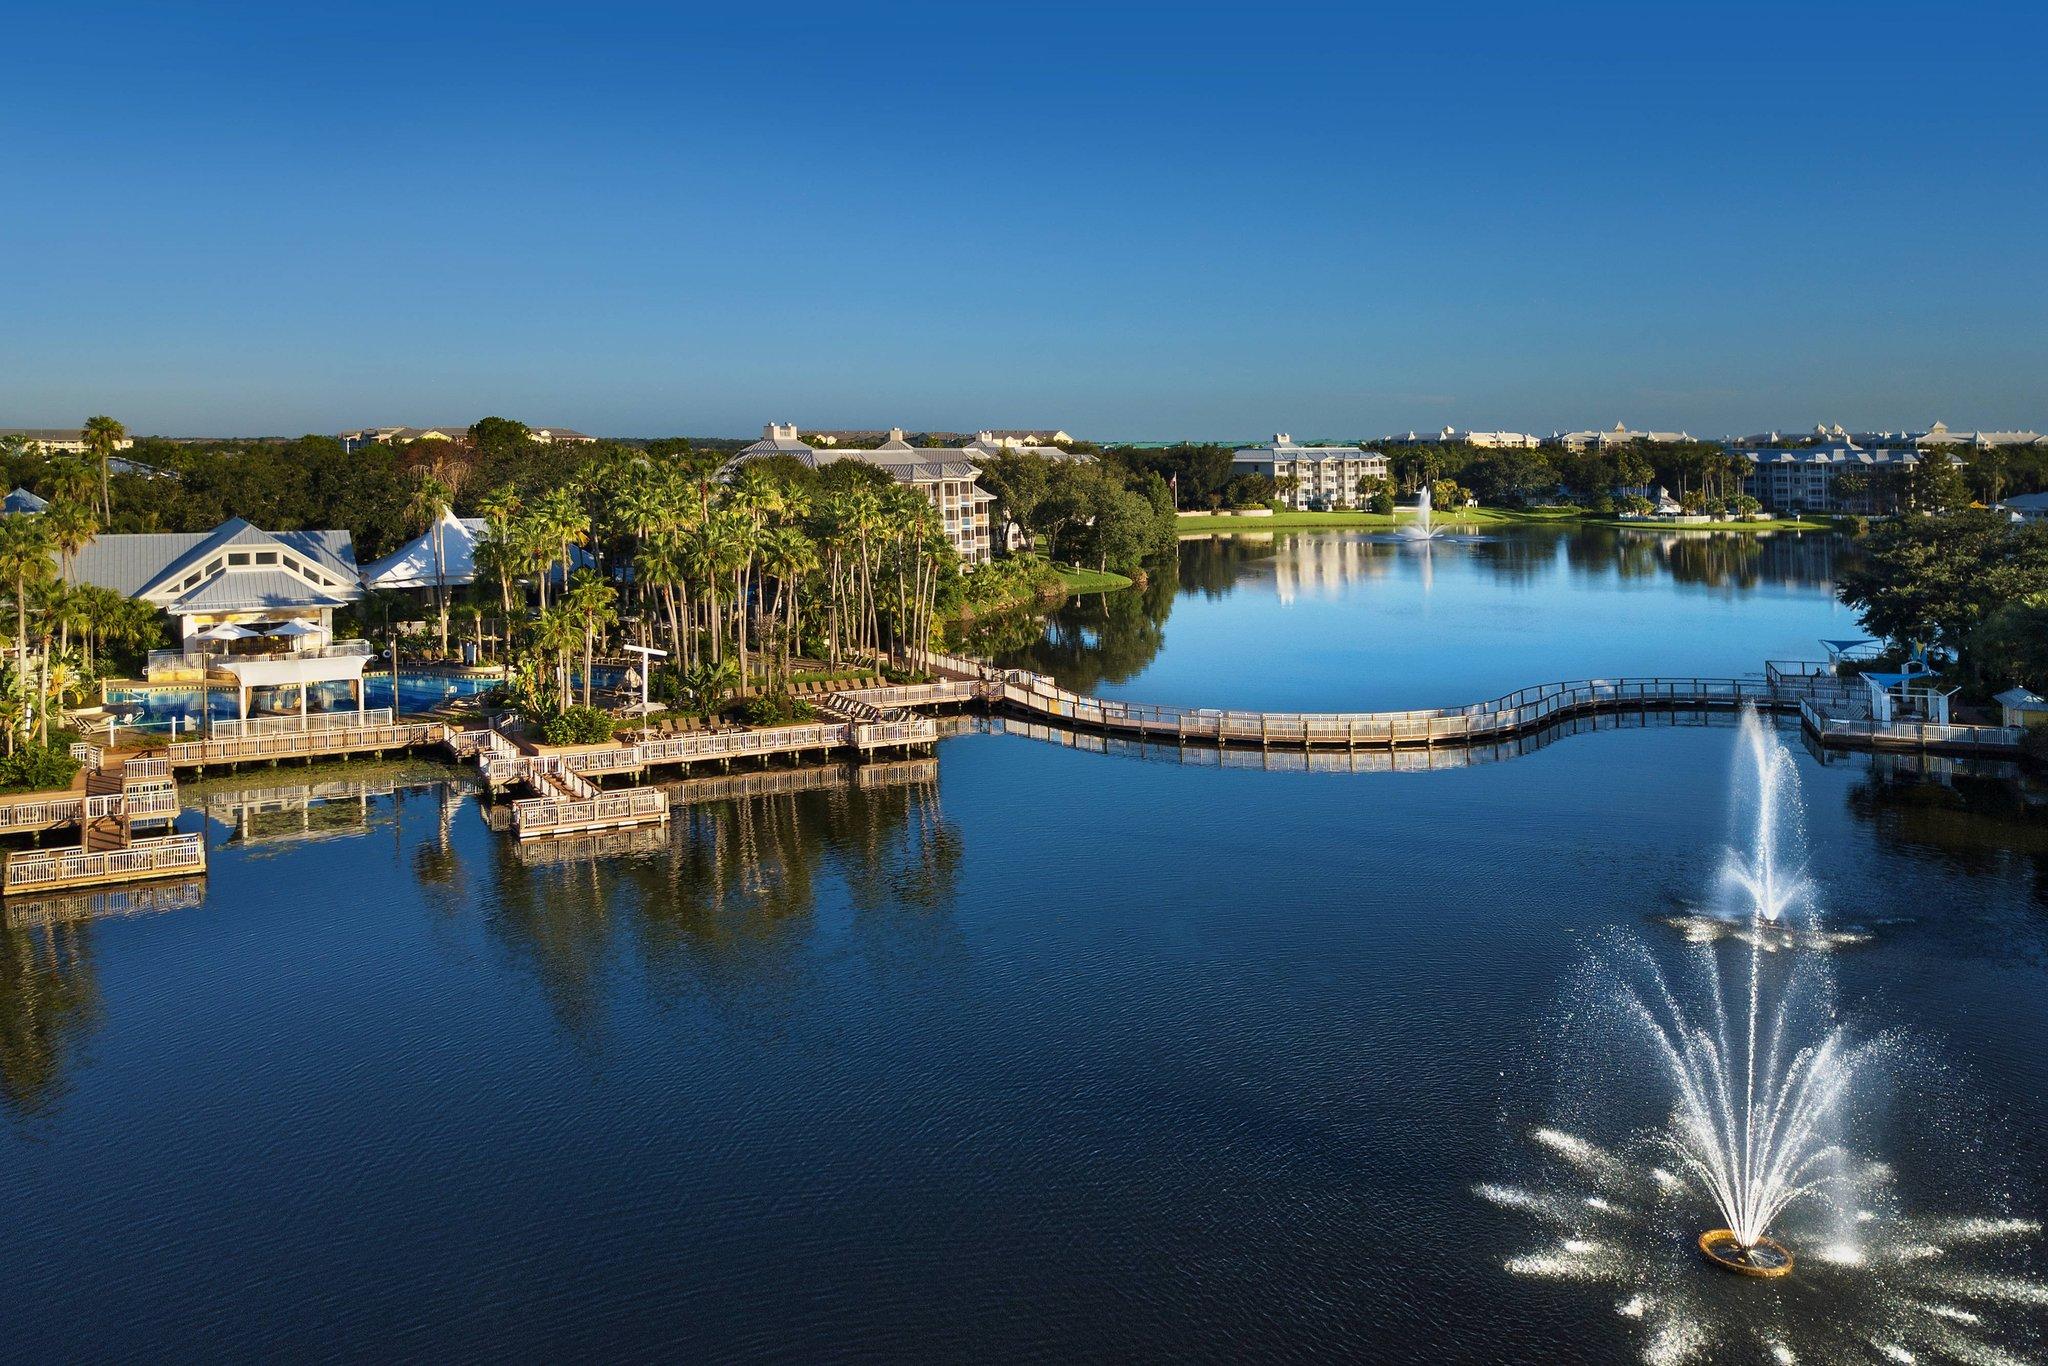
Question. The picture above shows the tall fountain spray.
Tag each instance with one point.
(1758, 1075)
(1755, 1090)
(1420, 529)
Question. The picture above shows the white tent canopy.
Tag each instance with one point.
(414, 564)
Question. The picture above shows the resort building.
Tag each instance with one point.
(401, 436)
(250, 607)
(945, 475)
(1013, 440)
(1000, 443)
(1453, 436)
(1941, 435)
(1311, 478)
(59, 440)
(1617, 435)
(2023, 507)
(1802, 478)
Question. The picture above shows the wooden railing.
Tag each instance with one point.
(544, 815)
(144, 858)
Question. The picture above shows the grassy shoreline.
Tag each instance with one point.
(1372, 521)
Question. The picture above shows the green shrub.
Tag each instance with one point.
(776, 709)
(577, 726)
(34, 769)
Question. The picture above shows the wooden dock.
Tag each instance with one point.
(51, 870)
(116, 798)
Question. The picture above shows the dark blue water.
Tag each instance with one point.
(1024, 1054)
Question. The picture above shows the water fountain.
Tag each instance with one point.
(1759, 1095)
(1420, 529)
(1423, 531)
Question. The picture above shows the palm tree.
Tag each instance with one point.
(103, 436)
(71, 525)
(592, 603)
(429, 503)
(24, 561)
(556, 632)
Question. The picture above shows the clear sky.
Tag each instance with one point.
(1131, 221)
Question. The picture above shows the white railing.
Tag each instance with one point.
(41, 814)
(143, 858)
(1520, 710)
(89, 755)
(294, 744)
(545, 815)
(312, 722)
(146, 768)
(1907, 734)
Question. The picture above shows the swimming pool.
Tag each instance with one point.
(181, 708)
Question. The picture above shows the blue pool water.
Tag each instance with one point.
(158, 708)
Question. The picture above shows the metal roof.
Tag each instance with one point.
(133, 564)
(253, 590)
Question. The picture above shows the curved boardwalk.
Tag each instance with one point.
(1523, 712)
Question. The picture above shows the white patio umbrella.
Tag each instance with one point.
(227, 630)
(293, 630)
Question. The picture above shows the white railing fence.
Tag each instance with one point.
(142, 858)
(318, 722)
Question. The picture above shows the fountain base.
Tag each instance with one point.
(1765, 1259)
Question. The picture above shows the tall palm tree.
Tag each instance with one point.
(592, 603)
(24, 562)
(103, 436)
(429, 504)
(71, 525)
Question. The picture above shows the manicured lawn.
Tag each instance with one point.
(1368, 521)
(1091, 580)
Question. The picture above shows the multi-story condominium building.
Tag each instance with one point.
(1802, 478)
(1011, 443)
(1940, 434)
(1012, 439)
(1311, 478)
(1451, 436)
(1617, 435)
(58, 440)
(945, 475)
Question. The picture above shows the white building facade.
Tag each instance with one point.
(946, 476)
(1312, 478)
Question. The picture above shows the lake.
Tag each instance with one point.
(1016, 1053)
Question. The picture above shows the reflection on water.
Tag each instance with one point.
(1035, 1050)
(1322, 621)
(49, 1007)
(721, 901)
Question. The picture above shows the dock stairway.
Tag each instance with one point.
(117, 797)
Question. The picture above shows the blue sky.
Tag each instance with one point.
(1129, 220)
